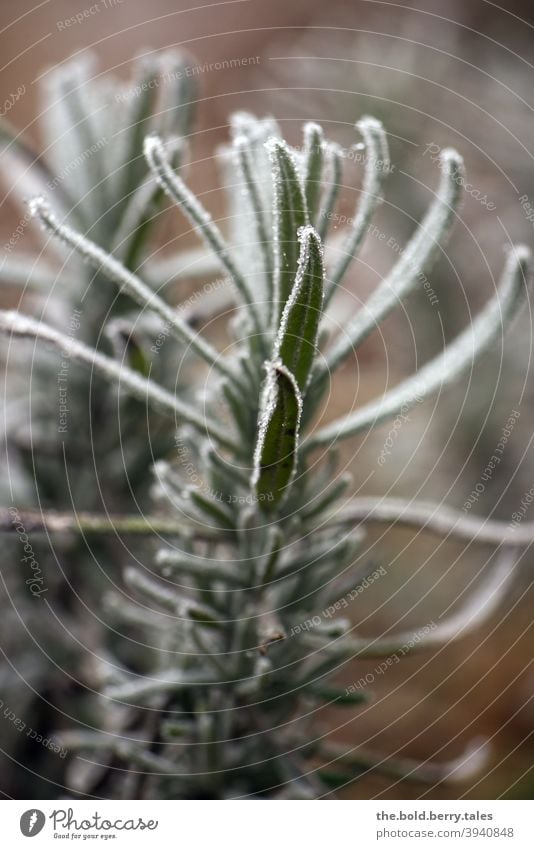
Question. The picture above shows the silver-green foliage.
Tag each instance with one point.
(93, 172)
(219, 706)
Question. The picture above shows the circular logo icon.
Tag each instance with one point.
(32, 822)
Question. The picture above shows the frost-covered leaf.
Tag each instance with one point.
(138, 386)
(333, 156)
(177, 190)
(313, 166)
(278, 433)
(138, 122)
(128, 282)
(176, 106)
(140, 212)
(416, 260)
(290, 215)
(377, 167)
(296, 342)
(458, 356)
(245, 163)
(24, 272)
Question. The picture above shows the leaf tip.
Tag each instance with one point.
(38, 206)
(153, 149)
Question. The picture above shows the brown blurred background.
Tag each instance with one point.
(442, 73)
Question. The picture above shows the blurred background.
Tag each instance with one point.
(452, 73)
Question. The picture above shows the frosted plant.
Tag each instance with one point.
(235, 650)
(94, 171)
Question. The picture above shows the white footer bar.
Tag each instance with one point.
(268, 824)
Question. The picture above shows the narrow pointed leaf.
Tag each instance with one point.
(213, 509)
(128, 282)
(187, 264)
(482, 603)
(138, 123)
(276, 449)
(341, 698)
(91, 188)
(133, 383)
(377, 167)
(243, 149)
(177, 103)
(469, 764)
(296, 342)
(140, 212)
(333, 167)
(24, 271)
(177, 190)
(313, 166)
(448, 366)
(13, 144)
(416, 260)
(290, 215)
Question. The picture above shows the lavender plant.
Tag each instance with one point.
(94, 169)
(258, 535)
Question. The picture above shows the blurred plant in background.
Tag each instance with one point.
(434, 80)
(458, 74)
(217, 700)
(72, 443)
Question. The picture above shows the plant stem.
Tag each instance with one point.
(438, 519)
(94, 523)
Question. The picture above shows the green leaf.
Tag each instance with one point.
(127, 346)
(336, 780)
(333, 156)
(25, 272)
(296, 342)
(140, 213)
(126, 281)
(414, 261)
(377, 167)
(339, 696)
(183, 197)
(290, 215)
(213, 510)
(136, 358)
(142, 388)
(234, 402)
(203, 618)
(245, 162)
(138, 123)
(276, 449)
(270, 560)
(176, 106)
(13, 142)
(459, 356)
